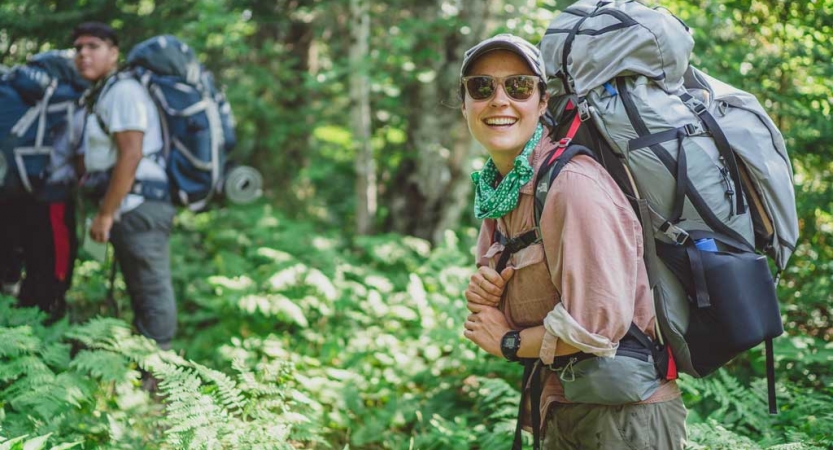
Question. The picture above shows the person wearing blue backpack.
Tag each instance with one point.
(39, 129)
(123, 144)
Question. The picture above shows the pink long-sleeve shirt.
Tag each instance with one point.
(590, 260)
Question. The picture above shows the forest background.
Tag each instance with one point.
(329, 314)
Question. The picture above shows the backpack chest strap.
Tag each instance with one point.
(513, 245)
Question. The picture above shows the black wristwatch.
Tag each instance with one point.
(509, 345)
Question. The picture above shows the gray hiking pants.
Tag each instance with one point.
(141, 243)
(649, 426)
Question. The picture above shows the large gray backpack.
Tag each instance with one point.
(706, 169)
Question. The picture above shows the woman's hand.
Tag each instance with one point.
(486, 328)
(486, 287)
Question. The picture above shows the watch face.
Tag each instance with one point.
(510, 344)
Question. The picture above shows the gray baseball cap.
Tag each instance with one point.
(521, 46)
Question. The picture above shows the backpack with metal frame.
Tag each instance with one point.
(706, 169)
(197, 127)
(38, 101)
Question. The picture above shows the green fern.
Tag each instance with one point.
(229, 395)
(497, 400)
(104, 365)
(56, 355)
(101, 332)
(18, 341)
(36, 443)
(12, 316)
(728, 401)
(33, 375)
(207, 408)
(710, 435)
(194, 418)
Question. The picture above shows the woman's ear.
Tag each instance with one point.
(543, 106)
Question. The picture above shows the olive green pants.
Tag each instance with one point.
(655, 426)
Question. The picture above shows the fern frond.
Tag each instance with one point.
(497, 399)
(30, 372)
(17, 341)
(735, 402)
(102, 364)
(56, 355)
(100, 332)
(710, 435)
(12, 316)
(193, 416)
(229, 395)
(74, 388)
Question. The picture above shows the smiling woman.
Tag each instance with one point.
(499, 105)
(569, 298)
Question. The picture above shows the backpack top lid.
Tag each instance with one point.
(594, 41)
(166, 55)
(32, 79)
(59, 64)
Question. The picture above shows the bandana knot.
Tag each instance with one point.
(492, 201)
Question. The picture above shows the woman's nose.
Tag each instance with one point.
(500, 98)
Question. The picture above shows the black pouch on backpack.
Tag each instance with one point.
(741, 307)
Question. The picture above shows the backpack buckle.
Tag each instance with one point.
(677, 235)
(584, 111)
(564, 142)
(695, 105)
(691, 129)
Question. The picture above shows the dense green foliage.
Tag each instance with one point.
(295, 336)
(294, 333)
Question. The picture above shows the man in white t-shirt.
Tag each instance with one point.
(123, 139)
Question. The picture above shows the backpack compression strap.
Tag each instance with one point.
(723, 146)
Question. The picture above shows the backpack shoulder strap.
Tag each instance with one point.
(97, 93)
(556, 160)
(549, 171)
(553, 163)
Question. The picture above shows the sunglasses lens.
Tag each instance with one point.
(520, 87)
(480, 88)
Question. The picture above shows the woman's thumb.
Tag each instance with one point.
(507, 273)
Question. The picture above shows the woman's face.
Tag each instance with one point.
(502, 124)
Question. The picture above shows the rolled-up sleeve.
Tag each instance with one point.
(592, 244)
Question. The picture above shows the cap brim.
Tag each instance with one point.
(501, 45)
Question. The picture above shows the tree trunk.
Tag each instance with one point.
(434, 185)
(365, 165)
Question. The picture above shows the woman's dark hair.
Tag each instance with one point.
(96, 29)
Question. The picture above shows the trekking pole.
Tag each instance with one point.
(111, 300)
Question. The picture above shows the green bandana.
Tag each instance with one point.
(494, 202)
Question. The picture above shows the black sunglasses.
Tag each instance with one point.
(483, 87)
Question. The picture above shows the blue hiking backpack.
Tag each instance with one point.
(197, 123)
(38, 101)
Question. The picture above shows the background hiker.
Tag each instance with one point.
(40, 126)
(123, 139)
(573, 302)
